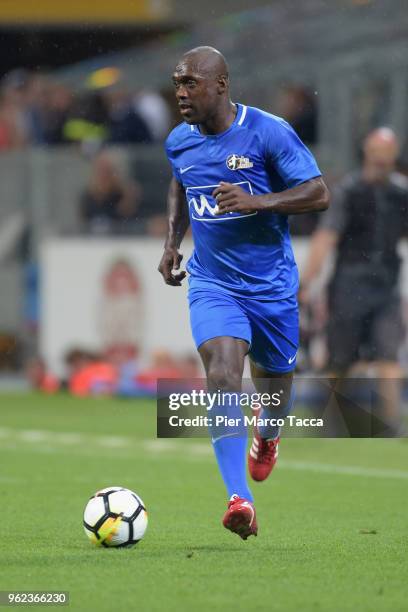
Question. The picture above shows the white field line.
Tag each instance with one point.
(46, 441)
(348, 470)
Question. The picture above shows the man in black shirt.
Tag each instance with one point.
(367, 218)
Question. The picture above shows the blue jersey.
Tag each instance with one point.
(248, 255)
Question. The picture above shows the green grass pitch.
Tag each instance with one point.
(333, 517)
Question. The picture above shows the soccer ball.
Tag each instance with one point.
(115, 517)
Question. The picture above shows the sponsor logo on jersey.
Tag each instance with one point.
(205, 208)
(238, 162)
(202, 205)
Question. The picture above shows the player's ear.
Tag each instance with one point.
(222, 81)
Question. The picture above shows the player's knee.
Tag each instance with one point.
(223, 377)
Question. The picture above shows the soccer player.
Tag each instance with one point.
(238, 172)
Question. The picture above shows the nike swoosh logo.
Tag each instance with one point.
(292, 359)
(183, 170)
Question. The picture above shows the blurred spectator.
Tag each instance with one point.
(110, 201)
(164, 365)
(89, 374)
(153, 109)
(88, 120)
(39, 378)
(126, 126)
(142, 382)
(13, 124)
(59, 103)
(366, 219)
(297, 104)
(10, 351)
(190, 367)
(36, 101)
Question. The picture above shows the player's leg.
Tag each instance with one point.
(223, 359)
(274, 384)
(222, 335)
(275, 339)
(263, 453)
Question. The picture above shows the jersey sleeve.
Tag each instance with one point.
(175, 170)
(287, 154)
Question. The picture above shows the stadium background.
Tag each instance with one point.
(334, 69)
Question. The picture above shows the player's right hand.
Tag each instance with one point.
(170, 261)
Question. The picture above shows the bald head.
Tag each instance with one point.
(383, 138)
(381, 150)
(206, 61)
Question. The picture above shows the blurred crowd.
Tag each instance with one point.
(36, 109)
(110, 201)
(111, 373)
(113, 201)
(101, 116)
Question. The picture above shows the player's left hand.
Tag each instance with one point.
(232, 198)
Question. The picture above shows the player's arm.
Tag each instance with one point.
(324, 240)
(322, 245)
(310, 196)
(178, 222)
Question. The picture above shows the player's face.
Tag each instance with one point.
(197, 94)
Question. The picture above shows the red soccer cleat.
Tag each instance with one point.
(262, 457)
(241, 517)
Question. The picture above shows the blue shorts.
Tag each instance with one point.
(271, 328)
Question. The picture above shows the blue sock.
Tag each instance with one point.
(230, 447)
(270, 432)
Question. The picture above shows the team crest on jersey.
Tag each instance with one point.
(238, 162)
